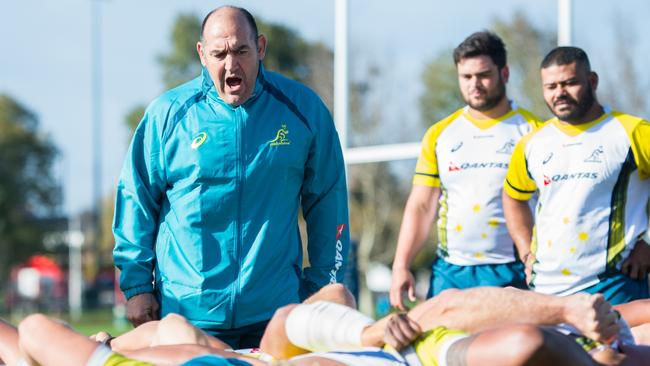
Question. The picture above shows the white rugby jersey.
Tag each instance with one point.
(468, 159)
(593, 197)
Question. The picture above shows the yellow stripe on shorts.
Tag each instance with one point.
(429, 345)
(117, 359)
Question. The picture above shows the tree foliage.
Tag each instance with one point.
(624, 71)
(181, 64)
(28, 189)
(526, 46)
(441, 96)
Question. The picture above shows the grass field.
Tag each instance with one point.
(90, 322)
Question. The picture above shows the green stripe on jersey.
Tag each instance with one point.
(616, 237)
(442, 228)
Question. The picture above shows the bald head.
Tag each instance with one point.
(245, 17)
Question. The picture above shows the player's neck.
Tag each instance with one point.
(497, 111)
(595, 112)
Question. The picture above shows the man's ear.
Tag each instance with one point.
(505, 74)
(261, 46)
(593, 79)
(200, 51)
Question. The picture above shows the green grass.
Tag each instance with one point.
(89, 323)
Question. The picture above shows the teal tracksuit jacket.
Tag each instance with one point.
(208, 197)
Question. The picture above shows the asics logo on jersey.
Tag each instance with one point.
(507, 147)
(547, 159)
(595, 156)
(199, 140)
(457, 146)
(281, 137)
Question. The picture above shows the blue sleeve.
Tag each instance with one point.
(137, 206)
(325, 207)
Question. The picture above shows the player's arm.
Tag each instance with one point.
(518, 188)
(482, 308)
(419, 214)
(135, 224)
(325, 208)
(519, 220)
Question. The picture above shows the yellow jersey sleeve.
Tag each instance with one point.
(518, 184)
(638, 130)
(641, 148)
(426, 169)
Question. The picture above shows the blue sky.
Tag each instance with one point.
(45, 56)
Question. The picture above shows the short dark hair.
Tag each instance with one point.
(566, 55)
(247, 15)
(482, 43)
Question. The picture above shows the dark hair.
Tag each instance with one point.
(247, 15)
(482, 43)
(566, 55)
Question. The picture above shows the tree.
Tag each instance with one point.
(526, 46)
(181, 64)
(28, 189)
(630, 98)
(441, 96)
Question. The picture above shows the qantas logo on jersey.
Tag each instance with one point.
(507, 147)
(338, 258)
(466, 166)
(595, 156)
(571, 176)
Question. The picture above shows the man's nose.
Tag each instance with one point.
(560, 91)
(231, 62)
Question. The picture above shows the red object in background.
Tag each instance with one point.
(46, 267)
(39, 280)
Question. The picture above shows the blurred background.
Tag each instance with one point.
(76, 75)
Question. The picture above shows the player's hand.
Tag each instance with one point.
(401, 331)
(402, 282)
(637, 264)
(528, 260)
(100, 337)
(142, 308)
(592, 315)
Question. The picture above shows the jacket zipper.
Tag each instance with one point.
(238, 231)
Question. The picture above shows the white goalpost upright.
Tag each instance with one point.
(564, 23)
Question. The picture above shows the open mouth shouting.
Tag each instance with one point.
(234, 84)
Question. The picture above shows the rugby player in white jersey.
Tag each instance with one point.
(590, 166)
(458, 179)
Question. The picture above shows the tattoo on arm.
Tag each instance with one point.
(457, 353)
